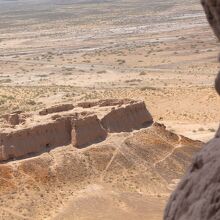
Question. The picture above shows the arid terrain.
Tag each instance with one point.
(55, 52)
(116, 163)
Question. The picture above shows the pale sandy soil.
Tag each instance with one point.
(166, 56)
(171, 64)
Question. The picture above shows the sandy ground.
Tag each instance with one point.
(162, 53)
(169, 60)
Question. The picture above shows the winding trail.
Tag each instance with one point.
(115, 153)
(179, 145)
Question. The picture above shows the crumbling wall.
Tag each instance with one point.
(57, 108)
(79, 128)
(128, 118)
(106, 102)
(87, 131)
(35, 139)
(14, 118)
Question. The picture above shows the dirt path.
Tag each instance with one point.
(179, 145)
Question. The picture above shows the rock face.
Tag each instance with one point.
(212, 10)
(87, 131)
(73, 125)
(198, 195)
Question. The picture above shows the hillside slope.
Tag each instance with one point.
(122, 177)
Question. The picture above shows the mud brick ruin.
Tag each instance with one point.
(80, 125)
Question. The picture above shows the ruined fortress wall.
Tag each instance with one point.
(57, 108)
(106, 102)
(127, 118)
(87, 131)
(34, 139)
(80, 130)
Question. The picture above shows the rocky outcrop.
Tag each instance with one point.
(198, 195)
(57, 108)
(87, 131)
(128, 118)
(212, 10)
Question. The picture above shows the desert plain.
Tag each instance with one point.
(159, 52)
